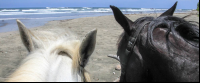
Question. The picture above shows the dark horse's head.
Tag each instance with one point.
(165, 48)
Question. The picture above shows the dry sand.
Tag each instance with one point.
(101, 68)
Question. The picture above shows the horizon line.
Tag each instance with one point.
(80, 6)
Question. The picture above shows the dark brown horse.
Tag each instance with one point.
(163, 49)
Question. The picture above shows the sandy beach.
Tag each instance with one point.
(100, 67)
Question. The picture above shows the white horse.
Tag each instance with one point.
(54, 57)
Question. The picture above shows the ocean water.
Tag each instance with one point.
(34, 17)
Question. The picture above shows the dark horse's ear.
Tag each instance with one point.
(170, 12)
(122, 20)
(87, 47)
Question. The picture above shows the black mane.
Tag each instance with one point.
(189, 31)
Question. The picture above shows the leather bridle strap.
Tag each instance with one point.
(131, 43)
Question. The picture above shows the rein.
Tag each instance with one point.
(131, 44)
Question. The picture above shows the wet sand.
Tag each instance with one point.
(3, 24)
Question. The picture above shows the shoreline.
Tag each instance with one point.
(13, 24)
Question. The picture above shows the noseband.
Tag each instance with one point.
(131, 44)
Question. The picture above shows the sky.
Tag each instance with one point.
(182, 4)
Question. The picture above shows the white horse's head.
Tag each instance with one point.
(59, 56)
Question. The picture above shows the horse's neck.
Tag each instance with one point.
(43, 67)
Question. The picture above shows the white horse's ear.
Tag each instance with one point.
(25, 36)
(87, 47)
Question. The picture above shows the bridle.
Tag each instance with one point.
(131, 44)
